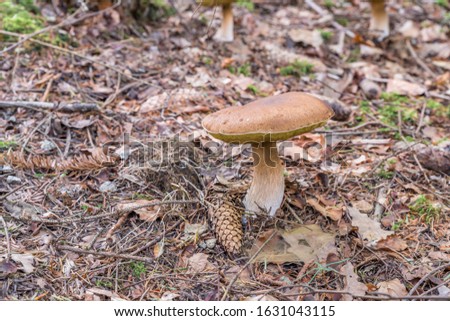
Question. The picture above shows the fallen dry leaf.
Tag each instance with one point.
(244, 276)
(305, 243)
(363, 206)
(169, 296)
(368, 228)
(307, 37)
(333, 212)
(404, 87)
(351, 283)
(199, 263)
(7, 267)
(392, 243)
(158, 249)
(393, 287)
(26, 260)
(148, 214)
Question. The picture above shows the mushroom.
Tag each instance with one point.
(379, 21)
(225, 32)
(262, 123)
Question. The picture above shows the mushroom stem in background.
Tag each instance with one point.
(225, 32)
(379, 21)
(267, 188)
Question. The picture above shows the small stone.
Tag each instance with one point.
(211, 243)
(48, 146)
(13, 180)
(5, 169)
(107, 187)
(363, 206)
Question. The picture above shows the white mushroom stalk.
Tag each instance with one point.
(379, 21)
(262, 123)
(226, 31)
(267, 189)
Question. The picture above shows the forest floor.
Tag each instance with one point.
(365, 214)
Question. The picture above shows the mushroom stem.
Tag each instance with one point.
(225, 32)
(379, 21)
(267, 189)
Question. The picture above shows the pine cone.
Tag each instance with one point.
(226, 221)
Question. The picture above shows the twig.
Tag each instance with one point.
(8, 243)
(227, 290)
(422, 114)
(157, 238)
(418, 60)
(70, 52)
(62, 107)
(11, 192)
(421, 168)
(27, 139)
(116, 226)
(107, 254)
(379, 205)
(424, 278)
(375, 295)
(323, 12)
(27, 215)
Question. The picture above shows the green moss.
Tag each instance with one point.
(442, 3)
(354, 54)
(104, 284)
(253, 89)
(393, 105)
(342, 21)
(329, 4)
(385, 174)
(207, 60)
(326, 35)
(138, 269)
(298, 68)
(247, 4)
(5, 144)
(245, 69)
(439, 109)
(427, 211)
(17, 18)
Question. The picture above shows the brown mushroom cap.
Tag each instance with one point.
(269, 119)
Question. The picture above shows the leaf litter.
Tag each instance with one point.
(335, 230)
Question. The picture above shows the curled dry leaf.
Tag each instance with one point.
(333, 212)
(244, 276)
(303, 244)
(199, 263)
(158, 249)
(169, 296)
(351, 283)
(393, 287)
(368, 228)
(307, 37)
(149, 214)
(391, 243)
(363, 206)
(7, 267)
(26, 260)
